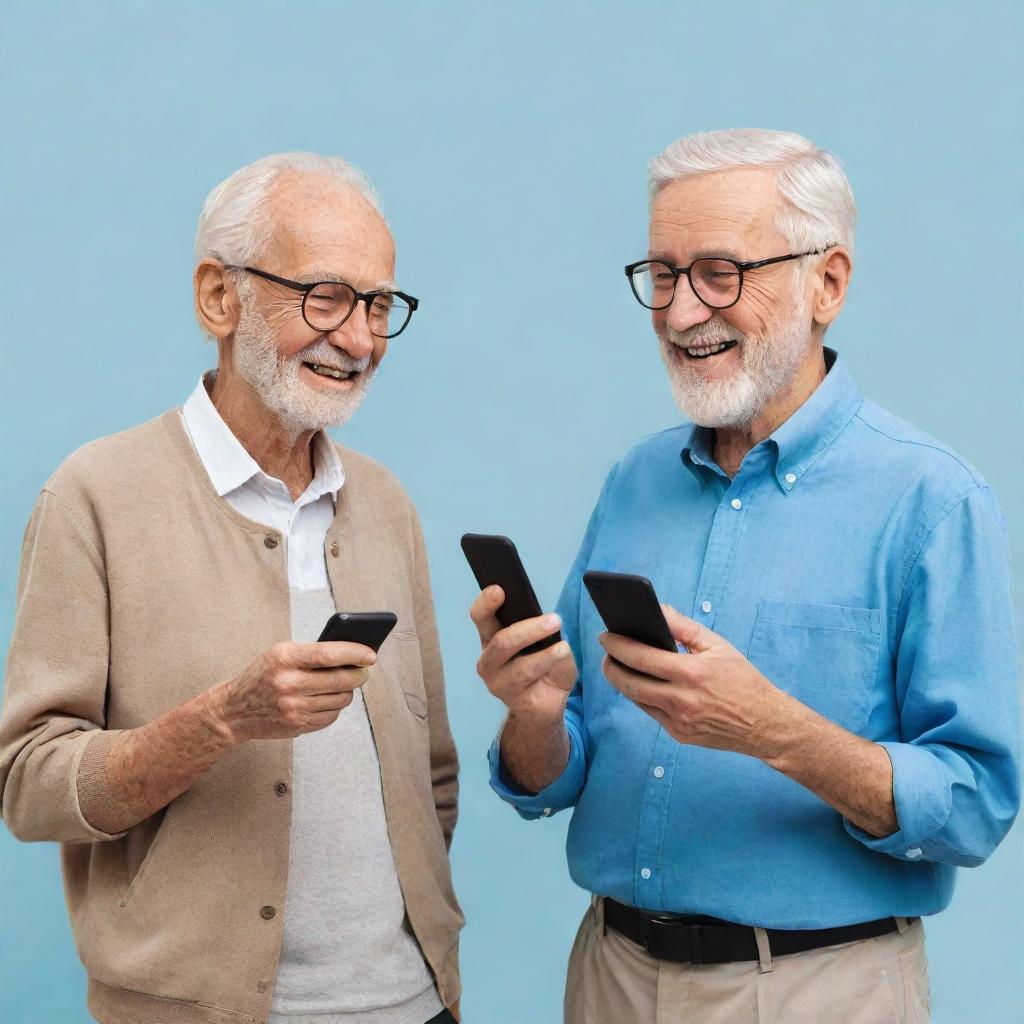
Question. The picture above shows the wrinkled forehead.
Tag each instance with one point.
(322, 224)
(728, 213)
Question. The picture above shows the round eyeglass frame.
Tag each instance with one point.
(741, 269)
(306, 289)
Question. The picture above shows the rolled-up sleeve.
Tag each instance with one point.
(55, 685)
(955, 767)
(556, 796)
(564, 791)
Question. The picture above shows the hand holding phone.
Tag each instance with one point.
(524, 662)
(295, 688)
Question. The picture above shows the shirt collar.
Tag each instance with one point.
(799, 440)
(230, 466)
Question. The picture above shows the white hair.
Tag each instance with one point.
(818, 208)
(235, 225)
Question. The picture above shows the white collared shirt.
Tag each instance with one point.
(345, 942)
(238, 479)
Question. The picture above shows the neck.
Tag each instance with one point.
(277, 449)
(733, 443)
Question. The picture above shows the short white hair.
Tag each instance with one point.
(236, 226)
(818, 208)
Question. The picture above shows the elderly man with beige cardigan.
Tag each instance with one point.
(254, 827)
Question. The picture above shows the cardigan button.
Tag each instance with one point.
(270, 541)
(335, 549)
(267, 913)
(281, 788)
(261, 986)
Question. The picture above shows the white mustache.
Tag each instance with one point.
(326, 354)
(703, 334)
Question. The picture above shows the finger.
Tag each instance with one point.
(516, 676)
(638, 688)
(482, 612)
(322, 719)
(642, 657)
(691, 634)
(332, 654)
(328, 681)
(319, 702)
(661, 717)
(564, 674)
(508, 642)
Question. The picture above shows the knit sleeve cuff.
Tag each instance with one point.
(96, 803)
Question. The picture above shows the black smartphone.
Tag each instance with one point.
(494, 559)
(368, 628)
(630, 607)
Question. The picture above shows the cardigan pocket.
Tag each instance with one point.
(410, 672)
(823, 655)
(161, 833)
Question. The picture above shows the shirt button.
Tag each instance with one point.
(267, 913)
(645, 873)
(659, 772)
(705, 607)
(281, 788)
(914, 852)
(546, 812)
(270, 541)
(791, 478)
(736, 503)
(261, 986)
(335, 550)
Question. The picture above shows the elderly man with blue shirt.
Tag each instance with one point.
(764, 817)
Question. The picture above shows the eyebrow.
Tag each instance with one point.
(319, 276)
(701, 254)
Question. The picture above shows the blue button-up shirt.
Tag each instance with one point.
(863, 568)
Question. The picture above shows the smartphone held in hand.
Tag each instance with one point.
(630, 607)
(494, 559)
(368, 628)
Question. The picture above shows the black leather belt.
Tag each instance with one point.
(707, 940)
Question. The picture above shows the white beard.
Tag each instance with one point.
(767, 365)
(279, 384)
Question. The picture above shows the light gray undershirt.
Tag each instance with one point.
(348, 955)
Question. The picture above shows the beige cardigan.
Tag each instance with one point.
(139, 588)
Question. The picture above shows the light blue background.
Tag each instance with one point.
(509, 143)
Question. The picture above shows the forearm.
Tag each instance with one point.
(533, 752)
(148, 767)
(848, 772)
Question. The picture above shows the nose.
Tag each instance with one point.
(354, 336)
(686, 309)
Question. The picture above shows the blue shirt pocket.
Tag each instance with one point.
(824, 655)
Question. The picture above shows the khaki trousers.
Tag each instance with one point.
(612, 980)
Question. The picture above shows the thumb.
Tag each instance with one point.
(692, 635)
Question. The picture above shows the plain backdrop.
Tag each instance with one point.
(509, 143)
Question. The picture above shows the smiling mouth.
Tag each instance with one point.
(332, 372)
(706, 351)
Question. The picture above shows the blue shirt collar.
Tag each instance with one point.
(798, 441)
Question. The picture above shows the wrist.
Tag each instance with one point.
(210, 706)
(782, 730)
(538, 722)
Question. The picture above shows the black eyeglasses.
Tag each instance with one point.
(717, 282)
(326, 305)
